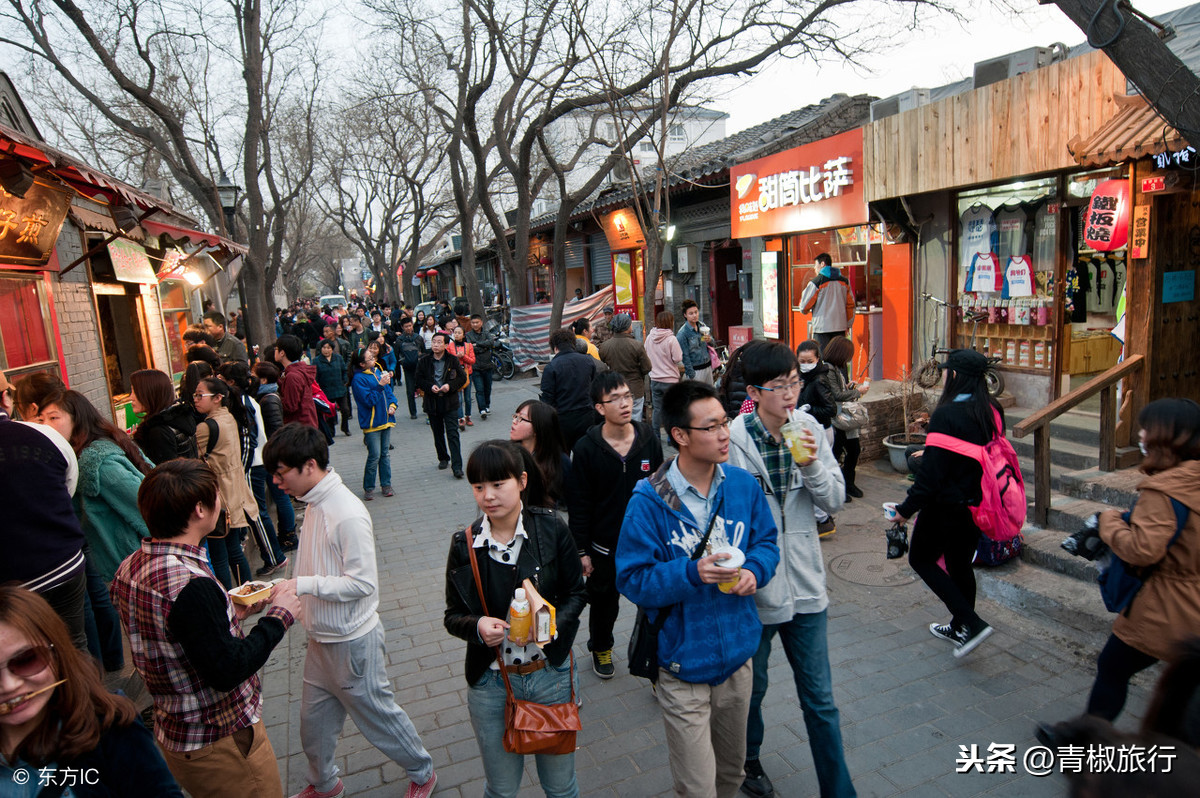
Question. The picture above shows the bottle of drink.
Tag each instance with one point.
(519, 618)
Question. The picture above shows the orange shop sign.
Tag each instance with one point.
(813, 187)
(622, 230)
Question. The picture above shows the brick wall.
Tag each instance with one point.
(885, 414)
(160, 359)
(79, 332)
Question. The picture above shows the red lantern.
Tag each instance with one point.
(431, 273)
(1106, 218)
(421, 274)
(546, 260)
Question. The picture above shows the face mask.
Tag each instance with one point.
(1142, 446)
(807, 367)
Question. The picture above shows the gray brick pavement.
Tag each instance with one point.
(907, 704)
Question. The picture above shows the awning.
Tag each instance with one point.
(178, 233)
(1136, 131)
(91, 220)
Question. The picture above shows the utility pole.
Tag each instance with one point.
(1143, 56)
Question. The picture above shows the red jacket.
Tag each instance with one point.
(295, 392)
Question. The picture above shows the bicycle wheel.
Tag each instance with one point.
(504, 366)
(929, 375)
(995, 382)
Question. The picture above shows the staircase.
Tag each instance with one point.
(1052, 586)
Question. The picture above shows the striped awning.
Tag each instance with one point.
(1136, 131)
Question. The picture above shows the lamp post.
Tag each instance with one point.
(227, 194)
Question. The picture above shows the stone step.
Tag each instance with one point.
(1071, 608)
(1115, 488)
(1043, 549)
(1074, 425)
(1067, 455)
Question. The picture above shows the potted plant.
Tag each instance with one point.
(913, 416)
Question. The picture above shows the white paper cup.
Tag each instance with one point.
(732, 557)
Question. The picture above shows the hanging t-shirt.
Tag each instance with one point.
(1018, 278)
(977, 231)
(1078, 283)
(1011, 231)
(983, 275)
(1101, 300)
(1116, 267)
(1045, 235)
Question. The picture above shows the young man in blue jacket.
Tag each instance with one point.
(793, 605)
(711, 632)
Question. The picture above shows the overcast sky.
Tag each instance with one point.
(942, 53)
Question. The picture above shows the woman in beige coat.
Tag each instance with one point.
(1166, 610)
(224, 457)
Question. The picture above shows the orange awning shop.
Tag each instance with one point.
(1136, 131)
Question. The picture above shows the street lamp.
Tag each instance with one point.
(227, 194)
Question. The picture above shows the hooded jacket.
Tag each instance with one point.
(331, 374)
(168, 434)
(376, 401)
(106, 503)
(625, 355)
(662, 347)
(1167, 608)
(817, 396)
(602, 481)
(830, 301)
(799, 583)
(708, 634)
(295, 391)
(271, 406)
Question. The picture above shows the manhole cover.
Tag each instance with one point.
(872, 568)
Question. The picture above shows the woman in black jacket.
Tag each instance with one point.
(946, 485)
(168, 430)
(516, 539)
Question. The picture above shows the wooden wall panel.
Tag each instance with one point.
(1013, 129)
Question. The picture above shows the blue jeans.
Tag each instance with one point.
(378, 458)
(258, 484)
(464, 401)
(228, 559)
(102, 621)
(283, 508)
(502, 770)
(481, 381)
(807, 650)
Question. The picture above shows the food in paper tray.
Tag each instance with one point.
(250, 593)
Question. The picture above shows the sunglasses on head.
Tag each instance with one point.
(29, 662)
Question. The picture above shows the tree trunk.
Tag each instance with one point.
(260, 316)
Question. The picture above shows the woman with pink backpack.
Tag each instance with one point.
(947, 484)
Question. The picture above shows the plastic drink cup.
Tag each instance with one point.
(733, 557)
(889, 511)
(802, 450)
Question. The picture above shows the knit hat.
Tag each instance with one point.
(967, 362)
(607, 309)
(620, 323)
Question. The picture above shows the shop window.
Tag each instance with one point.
(176, 309)
(1007, 253)
(25, 332)
(855, 251)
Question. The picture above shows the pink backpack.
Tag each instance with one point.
(1001, 513)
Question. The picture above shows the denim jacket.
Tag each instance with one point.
(695, 351)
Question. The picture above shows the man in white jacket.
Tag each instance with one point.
(338, 585)
(793, 604)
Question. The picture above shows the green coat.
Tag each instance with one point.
(106, 503)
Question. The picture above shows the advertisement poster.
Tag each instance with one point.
(623, 282)
(770, 294)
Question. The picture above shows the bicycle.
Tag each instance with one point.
(929, 374)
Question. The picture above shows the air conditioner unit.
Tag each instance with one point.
(687, 259)
(904, 101)
(620, 172)
(995, 70)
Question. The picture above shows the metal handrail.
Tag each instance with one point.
(1039, 423)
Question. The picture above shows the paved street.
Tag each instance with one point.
(907, 704)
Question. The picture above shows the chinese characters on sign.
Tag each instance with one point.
(29, 225)
(1139, 239)
(1183, 158)
(811, 185)
(1106, 218)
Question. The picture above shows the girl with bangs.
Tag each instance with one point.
(55, 712)
(1166, 611)
(516, 538)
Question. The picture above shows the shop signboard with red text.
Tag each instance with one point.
(813, 187)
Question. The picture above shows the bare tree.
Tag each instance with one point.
(206, 87)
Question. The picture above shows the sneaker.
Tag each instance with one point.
(602, 664)
(462, 423)
(422, 790)
(312, 792)
(443, 465)
(757, 785)
(368, 495)
(267, 570)
(945, 631)
(412, 416)
(458, 475)
(484, 414)
(388, 492)
(289, 542)
(826, 527)
(967, 641)
(855, 491)
(470, 423)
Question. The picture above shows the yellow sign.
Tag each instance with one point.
(622, 230)
(623, 282)
(1139, 241)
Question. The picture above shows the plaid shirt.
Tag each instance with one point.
(187, 713)
(775, 454)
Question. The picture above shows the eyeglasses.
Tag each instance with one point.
(29, 662)
(712, 428)
(202, 395)
(791, 387)
(623, 399)
(518, 417)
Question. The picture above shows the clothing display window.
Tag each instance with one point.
(1007, 255)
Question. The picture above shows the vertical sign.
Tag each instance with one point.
(1139, 240)
(623, 282)
(770, 294)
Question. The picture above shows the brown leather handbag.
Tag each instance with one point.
(529, 727)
